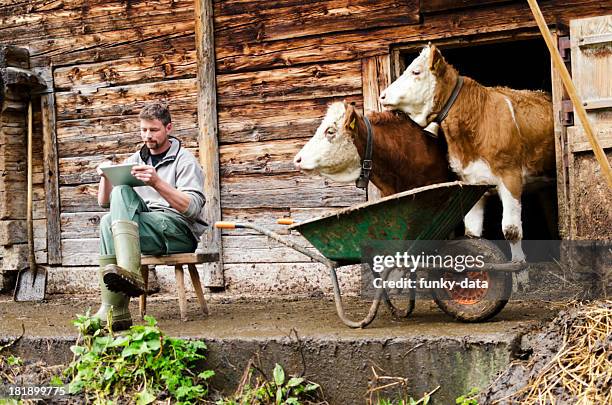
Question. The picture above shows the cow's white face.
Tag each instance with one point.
(413, 92)
(331, 151)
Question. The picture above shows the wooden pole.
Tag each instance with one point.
(571, 90)
(51, 170)
(207, 125)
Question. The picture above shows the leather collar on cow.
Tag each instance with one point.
(432, 128)
(366, 163)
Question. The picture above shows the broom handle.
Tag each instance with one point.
(571, 90)
(29, 219)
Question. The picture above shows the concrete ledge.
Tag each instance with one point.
(428, 348)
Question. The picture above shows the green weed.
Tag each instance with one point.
(141, 364)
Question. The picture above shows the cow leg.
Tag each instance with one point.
(474, 219)
(510, 194)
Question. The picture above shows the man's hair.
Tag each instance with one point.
(156, 111)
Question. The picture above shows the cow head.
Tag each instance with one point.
(331, 151)
(414, 91)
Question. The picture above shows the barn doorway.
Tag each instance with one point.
(519, 64)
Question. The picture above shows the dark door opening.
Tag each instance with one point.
(523, 64)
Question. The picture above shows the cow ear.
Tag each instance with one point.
(350, 118)
(435, 58)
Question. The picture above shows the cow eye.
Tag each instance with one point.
(330, 132)
(416, 72)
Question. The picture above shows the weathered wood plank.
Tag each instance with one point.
(80, 252)
(237, 56)
(80, 198)
(16, 256)
(295, 83)
(271, 157)
(172, 65)
(286, 190)
(14, 231)
(265, 217)
(171, 41)
(432, 6)
(62, 48)
(12, 204)
(261, 249)
(375, 77)
(313, 19)
(125, 100)
(89, 18)
(51, 185)
(209, 138)
(275, 120)
(81, 225)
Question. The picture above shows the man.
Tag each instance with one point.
(164, 217)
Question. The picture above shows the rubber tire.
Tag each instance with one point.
(500, 283)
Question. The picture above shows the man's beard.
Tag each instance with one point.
(152, 144)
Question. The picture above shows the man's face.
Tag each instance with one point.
(154, 134)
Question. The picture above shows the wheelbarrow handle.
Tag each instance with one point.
(279, 238)
(227, 225)
(285, 221)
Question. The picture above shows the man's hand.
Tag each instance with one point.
(105, 163)
(146, 174)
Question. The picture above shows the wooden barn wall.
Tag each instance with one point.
(302, 57)
(279, 64)
(107, 59)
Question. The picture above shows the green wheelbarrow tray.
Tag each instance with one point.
(425, 213)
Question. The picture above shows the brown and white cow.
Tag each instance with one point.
(403, 156)
(495, 135)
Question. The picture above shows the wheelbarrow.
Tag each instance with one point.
(428, 213)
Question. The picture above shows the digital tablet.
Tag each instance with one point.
(120, 175)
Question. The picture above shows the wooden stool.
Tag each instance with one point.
(178, 260)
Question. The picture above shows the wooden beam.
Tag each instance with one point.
(208, 139)
(51, 171)
(375, 77)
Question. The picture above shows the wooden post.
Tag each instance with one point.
(207, 124)
(51, 171)
(375, 77)
(571, 90)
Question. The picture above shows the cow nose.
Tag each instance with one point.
(297, 161)
(382, 95)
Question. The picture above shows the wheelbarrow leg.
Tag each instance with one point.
(340, 309)
(397, 312)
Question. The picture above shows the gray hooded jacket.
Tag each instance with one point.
(181, 170)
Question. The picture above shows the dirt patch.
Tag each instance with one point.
(569, 361)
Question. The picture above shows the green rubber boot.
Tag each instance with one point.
(119, 302)
(125, 276)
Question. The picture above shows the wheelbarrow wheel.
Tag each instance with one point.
(474, 304)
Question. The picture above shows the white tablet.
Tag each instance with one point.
(121, 175)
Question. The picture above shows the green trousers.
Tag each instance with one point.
(160, 232)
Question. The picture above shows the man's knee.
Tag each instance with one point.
(119, 192)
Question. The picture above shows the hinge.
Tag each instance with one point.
(567, 113)
(564, 46)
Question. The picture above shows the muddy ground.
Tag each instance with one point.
(262, 318)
